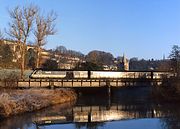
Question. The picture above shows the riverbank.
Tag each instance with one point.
(19, 101)
(167, 92)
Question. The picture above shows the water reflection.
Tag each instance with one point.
(95, 112)
(93, 125)
(172, 111)
(92, 114)
(26, 121)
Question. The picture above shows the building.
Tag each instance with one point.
(110, 67)
(125, 63)
(16, 50)
(122, 63)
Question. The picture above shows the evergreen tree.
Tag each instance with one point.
(175, 59)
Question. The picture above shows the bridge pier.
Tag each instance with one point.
(51, 85)
(109, 95)
(109, 91)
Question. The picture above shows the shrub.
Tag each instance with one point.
(10, 81)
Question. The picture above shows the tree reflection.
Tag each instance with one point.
(171, 116)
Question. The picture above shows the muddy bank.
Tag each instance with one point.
(18, 101)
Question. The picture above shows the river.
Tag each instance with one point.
(128, 108)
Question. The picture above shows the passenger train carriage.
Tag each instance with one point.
(38, 74)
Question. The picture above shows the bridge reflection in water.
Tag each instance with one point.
(124, 104)
(94, 111)
(90, 114)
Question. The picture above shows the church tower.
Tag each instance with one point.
(125, 62)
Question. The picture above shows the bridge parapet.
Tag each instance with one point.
(70, 83)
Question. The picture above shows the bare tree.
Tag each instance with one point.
(1, 35)
(45, 26)
(20, 28)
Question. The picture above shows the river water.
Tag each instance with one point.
(128, 108)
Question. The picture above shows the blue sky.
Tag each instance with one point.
(138, 28)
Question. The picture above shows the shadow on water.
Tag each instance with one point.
(93, 110)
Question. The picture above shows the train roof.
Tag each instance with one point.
(101, 70)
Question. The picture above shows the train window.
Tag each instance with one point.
(69, 75)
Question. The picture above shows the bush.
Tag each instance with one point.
(88, 66)
(10, 81)
(50, 65)
(169, 91)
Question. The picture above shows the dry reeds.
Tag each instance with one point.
(19, 101)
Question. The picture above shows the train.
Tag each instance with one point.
(43, 74)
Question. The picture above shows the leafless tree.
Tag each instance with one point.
(45, 26)
(1, 35)
(20, 28)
